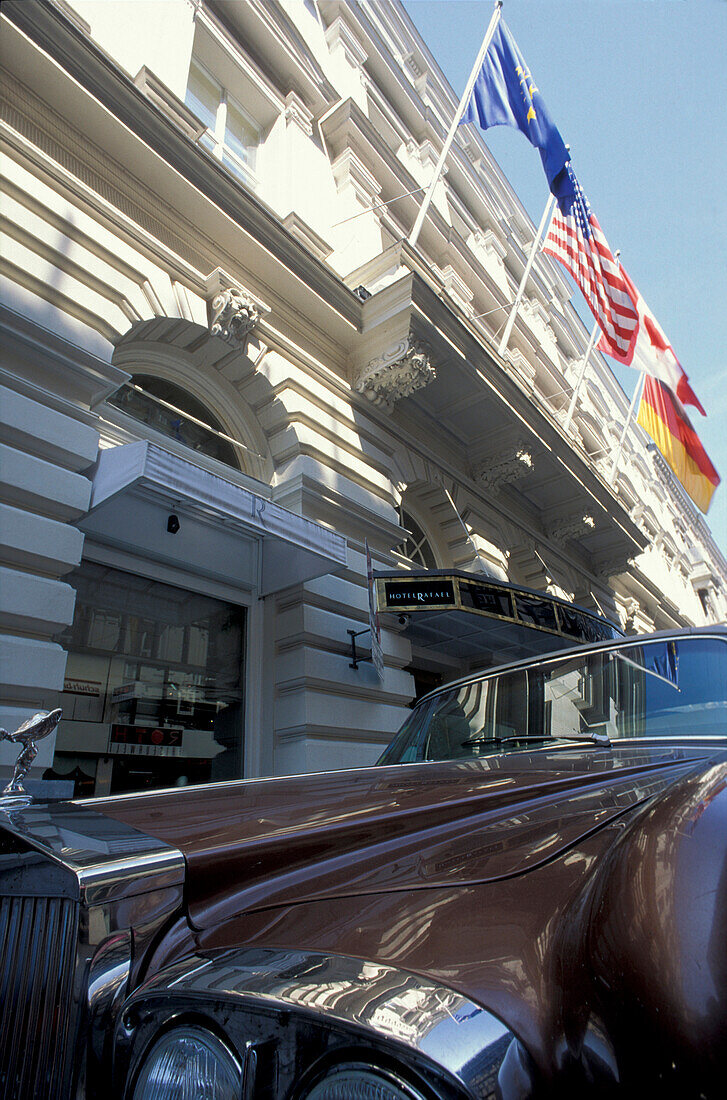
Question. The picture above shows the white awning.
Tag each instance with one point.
(225, 530)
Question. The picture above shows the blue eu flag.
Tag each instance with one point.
(505, 94)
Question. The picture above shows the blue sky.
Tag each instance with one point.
(637, 88)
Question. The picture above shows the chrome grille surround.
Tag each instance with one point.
(73, 885)
(38, 937)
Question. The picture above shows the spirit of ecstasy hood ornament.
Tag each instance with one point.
(33, 730)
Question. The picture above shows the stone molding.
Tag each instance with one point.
(457, 287)
(400, 371)
(297, 113)
(349, 170)
(340, 36)
(169, 103)
(522, 366)
(606, 567)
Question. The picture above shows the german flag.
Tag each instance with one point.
(662, 415)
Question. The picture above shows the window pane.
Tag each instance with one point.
(153, 693)
(203, 96)
(240, 135)
(167, 415)
(674, 688)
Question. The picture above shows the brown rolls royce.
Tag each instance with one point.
(526, 897)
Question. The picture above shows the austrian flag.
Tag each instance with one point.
(575, 238)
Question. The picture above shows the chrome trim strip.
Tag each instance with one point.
(110, 859)
(424, 1016)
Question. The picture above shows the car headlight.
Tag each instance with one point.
(189, 1062)
(355, 1082)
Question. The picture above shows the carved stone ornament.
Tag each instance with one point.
(504, 469)
(570, 527)
(233, 316)
(399, 372)
(27, 735)
(606, 567)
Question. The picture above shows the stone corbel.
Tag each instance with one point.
(457, 288)
(233, 311)
(297, 113)
(606, 567)
(339, 36)
(522, 365)
(400, 371)
(506, 468)
(570, 527)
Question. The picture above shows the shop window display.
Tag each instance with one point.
(153, 688)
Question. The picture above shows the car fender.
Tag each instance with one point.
(645, 953)
(304, 1010)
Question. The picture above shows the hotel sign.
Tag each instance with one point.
(408, 595)
(493, 599)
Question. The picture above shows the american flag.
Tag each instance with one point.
(575, 238)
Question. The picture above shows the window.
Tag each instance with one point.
(153, 692)
(416, 546)
(666, 689)
(231, 134)
(173, 412)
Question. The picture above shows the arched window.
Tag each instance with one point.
(416, 546)
(174, 412)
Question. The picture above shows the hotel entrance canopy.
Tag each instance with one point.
(224, 530)
(472, 617)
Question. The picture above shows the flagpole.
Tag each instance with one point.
(581, 376)
(489, 33)
(627, 425)
(544, 221)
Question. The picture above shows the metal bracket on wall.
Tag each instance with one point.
(355, 659)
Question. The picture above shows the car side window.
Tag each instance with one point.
(673, 688)
(670, 688)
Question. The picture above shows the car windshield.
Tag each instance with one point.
(674, 688)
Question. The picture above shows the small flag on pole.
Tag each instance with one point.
(505, 94)
(575, 238)
(662, 416)
(652, 352)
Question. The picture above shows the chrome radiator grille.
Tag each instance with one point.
(38, 938)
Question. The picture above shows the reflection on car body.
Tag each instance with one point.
(526, 897)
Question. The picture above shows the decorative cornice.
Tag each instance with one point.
(171, 105)
(522, 366)
(340, 36)
(457, 287)
(398, 372)
(608, 566)
(350, 171)
(490, 243)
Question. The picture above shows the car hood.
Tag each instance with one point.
(250, 845)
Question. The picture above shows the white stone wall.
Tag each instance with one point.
(43, 490)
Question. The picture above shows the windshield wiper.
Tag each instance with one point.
(592, 738)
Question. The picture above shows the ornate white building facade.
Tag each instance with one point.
(224, 369)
